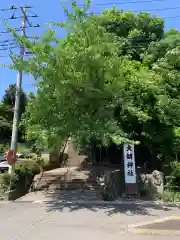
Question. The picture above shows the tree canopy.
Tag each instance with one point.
(114, 78)
(135, 31)
(7, 112)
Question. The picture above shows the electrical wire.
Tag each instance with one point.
(17, 17)
(142, 10)
(9, 44)
(171, 17)
(123, 3)
(14, 8)
(7, 41)
(34, 14)
(5, 49)
(8, 9)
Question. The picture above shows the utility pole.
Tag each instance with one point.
(14, 137)
(8, 44)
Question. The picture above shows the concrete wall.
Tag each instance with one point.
(20, 190)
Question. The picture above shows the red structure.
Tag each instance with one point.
(10, 156)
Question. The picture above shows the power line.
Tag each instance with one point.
(165, 17)
(9, 40)
(135, 2)
(123, 3)
(144, 10)
(7, 9)
(30, 11)
(8, 44)
(171, 17)
(19, 29)
(13, 17)
(8, 48)
(158, 9)
(14, 8)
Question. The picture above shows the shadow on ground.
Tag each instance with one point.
(82, 186)
(59, 200)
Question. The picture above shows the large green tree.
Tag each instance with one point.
(142, 38)
(104, 82)
(168, 66)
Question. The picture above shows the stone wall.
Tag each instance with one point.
(149, 185)
(111, 185)
(20, 190)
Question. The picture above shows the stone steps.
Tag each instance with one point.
(56, 184)
(71, 181)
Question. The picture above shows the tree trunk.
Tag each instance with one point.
(153, 164)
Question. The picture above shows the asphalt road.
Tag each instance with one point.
(23, 220)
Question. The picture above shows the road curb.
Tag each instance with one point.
(154, 232)
(136, 228)
(159, 220)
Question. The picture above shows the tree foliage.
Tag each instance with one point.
(114, 78)
(7, 112)
(135, 31)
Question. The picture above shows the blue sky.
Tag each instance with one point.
(52, 11)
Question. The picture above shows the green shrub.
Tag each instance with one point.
(170, 196)
(9, 181)
(4, 148)
(24, 171)
(175, 174)
(28, 167)
(38, 164)
(20, 177)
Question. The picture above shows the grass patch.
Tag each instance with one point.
(170, 195)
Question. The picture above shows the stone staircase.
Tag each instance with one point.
(64, 179)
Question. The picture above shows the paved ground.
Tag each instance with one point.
(56, 195)
(25, 220)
